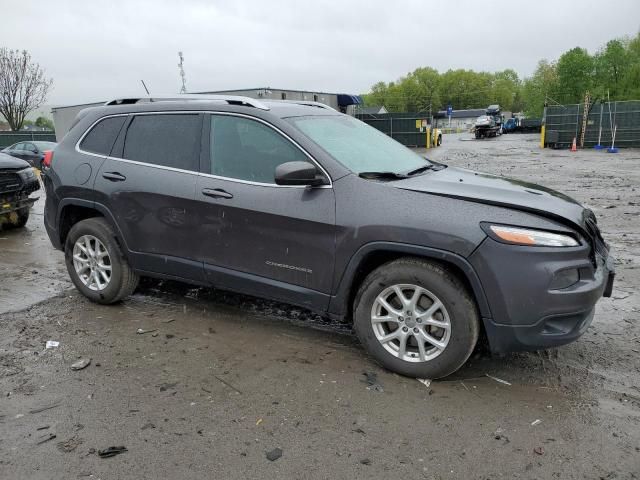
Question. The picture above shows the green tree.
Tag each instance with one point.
(540, 87)
(611, 65)
(44, 122)
(575, 70)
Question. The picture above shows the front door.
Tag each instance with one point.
(256, 236)
(148, 184)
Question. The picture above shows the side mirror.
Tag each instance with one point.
(299, 173)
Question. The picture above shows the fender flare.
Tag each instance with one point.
(106, 213)
(338, 305)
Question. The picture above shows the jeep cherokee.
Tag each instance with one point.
(296, 202)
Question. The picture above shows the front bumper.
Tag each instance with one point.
(527, 312)
(12, 204)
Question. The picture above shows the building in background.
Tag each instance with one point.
(460, 119)
(63, 116)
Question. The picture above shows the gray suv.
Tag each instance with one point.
(296, 202)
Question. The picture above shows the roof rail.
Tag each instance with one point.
(230, 99)
(308, 103)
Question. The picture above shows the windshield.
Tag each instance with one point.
(358, 146)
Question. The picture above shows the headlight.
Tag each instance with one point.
(26, 173)
(538, 238)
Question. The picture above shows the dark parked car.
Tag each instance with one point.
(31, 151)
(298, 203)
(17, 182)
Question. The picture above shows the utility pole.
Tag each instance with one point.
(183, 89)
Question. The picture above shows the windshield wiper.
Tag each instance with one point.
(421, 170)
(382, 175)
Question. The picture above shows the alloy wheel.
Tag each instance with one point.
(92, 263)
(411, 323)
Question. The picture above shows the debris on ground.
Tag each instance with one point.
(167, 386)
(148, 425)
(80, 364)
(69, 445)
(141, 331)
(111, 451)
(365, 461)
(45, 438)
(371, 379)
(427, 383)
(259, 421)
(538, 450)
(499, 435)
(499, 380)
(45, 427)
(537, 421)
(51, 344)
(42, 409)
(274, 454)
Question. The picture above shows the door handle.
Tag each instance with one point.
(216, 193)
(114, 176)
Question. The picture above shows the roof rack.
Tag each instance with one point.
(230, 99)
(308, 103)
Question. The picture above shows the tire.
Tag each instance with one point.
(439, 140)
(23, 217)
(122, 280)
(458, 309)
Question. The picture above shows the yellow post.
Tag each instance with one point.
(428, 137)
(542, 137)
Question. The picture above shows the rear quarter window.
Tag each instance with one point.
(101, 137)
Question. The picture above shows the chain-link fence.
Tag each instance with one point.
(9, 138)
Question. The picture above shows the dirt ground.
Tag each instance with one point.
(220, 379)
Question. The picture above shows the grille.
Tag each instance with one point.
(598, 245)
(9, 182)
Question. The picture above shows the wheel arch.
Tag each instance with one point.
(74, 210)
(371, 256)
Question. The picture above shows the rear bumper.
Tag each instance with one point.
(527, 312)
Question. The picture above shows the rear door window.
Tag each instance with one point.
(101, 137)
(169, 140)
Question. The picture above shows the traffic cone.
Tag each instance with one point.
(573, 145)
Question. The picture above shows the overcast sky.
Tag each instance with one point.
(100, 50)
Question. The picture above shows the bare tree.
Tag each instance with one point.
(23, 86)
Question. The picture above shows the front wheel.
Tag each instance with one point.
(96, 264)
(416, 318)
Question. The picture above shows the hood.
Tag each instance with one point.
(12, 163)
(502, 191)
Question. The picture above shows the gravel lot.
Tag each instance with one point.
(220, 379)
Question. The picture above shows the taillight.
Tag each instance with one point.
(48, 156)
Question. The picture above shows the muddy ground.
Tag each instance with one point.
(221, 379)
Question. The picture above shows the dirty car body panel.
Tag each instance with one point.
(311, 246)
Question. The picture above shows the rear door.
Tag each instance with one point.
(256, 236)
(148, 184)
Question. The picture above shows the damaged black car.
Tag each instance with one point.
(18, 180)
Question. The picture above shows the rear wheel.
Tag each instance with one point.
(416, 318)
(439, 140)
(96, 264)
